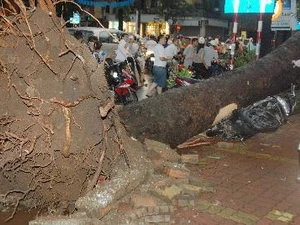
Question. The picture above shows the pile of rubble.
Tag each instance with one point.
(155, 193)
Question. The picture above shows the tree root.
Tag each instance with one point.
(24, 194)
(67, 143)
(94, 181)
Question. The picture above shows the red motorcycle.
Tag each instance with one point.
(121, 80)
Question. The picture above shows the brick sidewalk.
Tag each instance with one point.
(254, 182)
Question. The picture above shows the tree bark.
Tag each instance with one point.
(179, 114)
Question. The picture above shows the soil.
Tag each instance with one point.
(57, 117)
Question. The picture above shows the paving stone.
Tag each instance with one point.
(153, 210)
(226, 145)
(227, 212)
(164, 150)
(157, 218)
(142, 201)
(141, 212)
(172, 191)
(176, 170)
(190, 158)
(280, 216)
(205, 186)
(181, 181)
(165, 209)
(192, 189)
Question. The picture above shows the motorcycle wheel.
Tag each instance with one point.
(131, 96)
(261, 120)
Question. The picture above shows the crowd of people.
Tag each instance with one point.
(199, 55)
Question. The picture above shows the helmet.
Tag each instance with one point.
(201, 40)
(213, 43)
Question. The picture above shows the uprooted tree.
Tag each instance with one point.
(180, 114)
(59, 130)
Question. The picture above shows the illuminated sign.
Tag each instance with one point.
(286, 18)
(249, 6)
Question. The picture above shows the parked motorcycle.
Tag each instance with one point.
(263, 116)
(219, 67)
(121, 81)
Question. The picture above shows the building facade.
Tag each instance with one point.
(145, 19)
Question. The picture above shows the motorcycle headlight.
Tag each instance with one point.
(115, 75)
(152, 59)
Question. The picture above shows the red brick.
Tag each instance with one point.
(177, 173)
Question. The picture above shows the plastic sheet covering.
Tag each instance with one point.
(99, 199)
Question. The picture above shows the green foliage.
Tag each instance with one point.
(182, 73)
(174, 8)
(244, 58)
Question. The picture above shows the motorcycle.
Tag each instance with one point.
(121, 81)
(219, 67)
(263, 116)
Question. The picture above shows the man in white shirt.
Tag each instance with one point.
(172, 52)
(150, 44)
(121, 52)
(210, 54)
(173, 48)
(159, 68)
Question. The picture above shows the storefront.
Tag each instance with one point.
(149, 25)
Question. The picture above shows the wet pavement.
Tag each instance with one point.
(254, 182)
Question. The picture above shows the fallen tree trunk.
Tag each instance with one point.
(182, 113)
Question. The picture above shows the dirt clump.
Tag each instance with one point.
(59, 128)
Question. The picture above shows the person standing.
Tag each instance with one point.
(171, 52)
(198, 60)
(98, 53)
(133, 50)
(121, 52)
(91, 43)
(173, 48)
(188, 53)
(150, 44)
(210, 54)
(159, 68)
